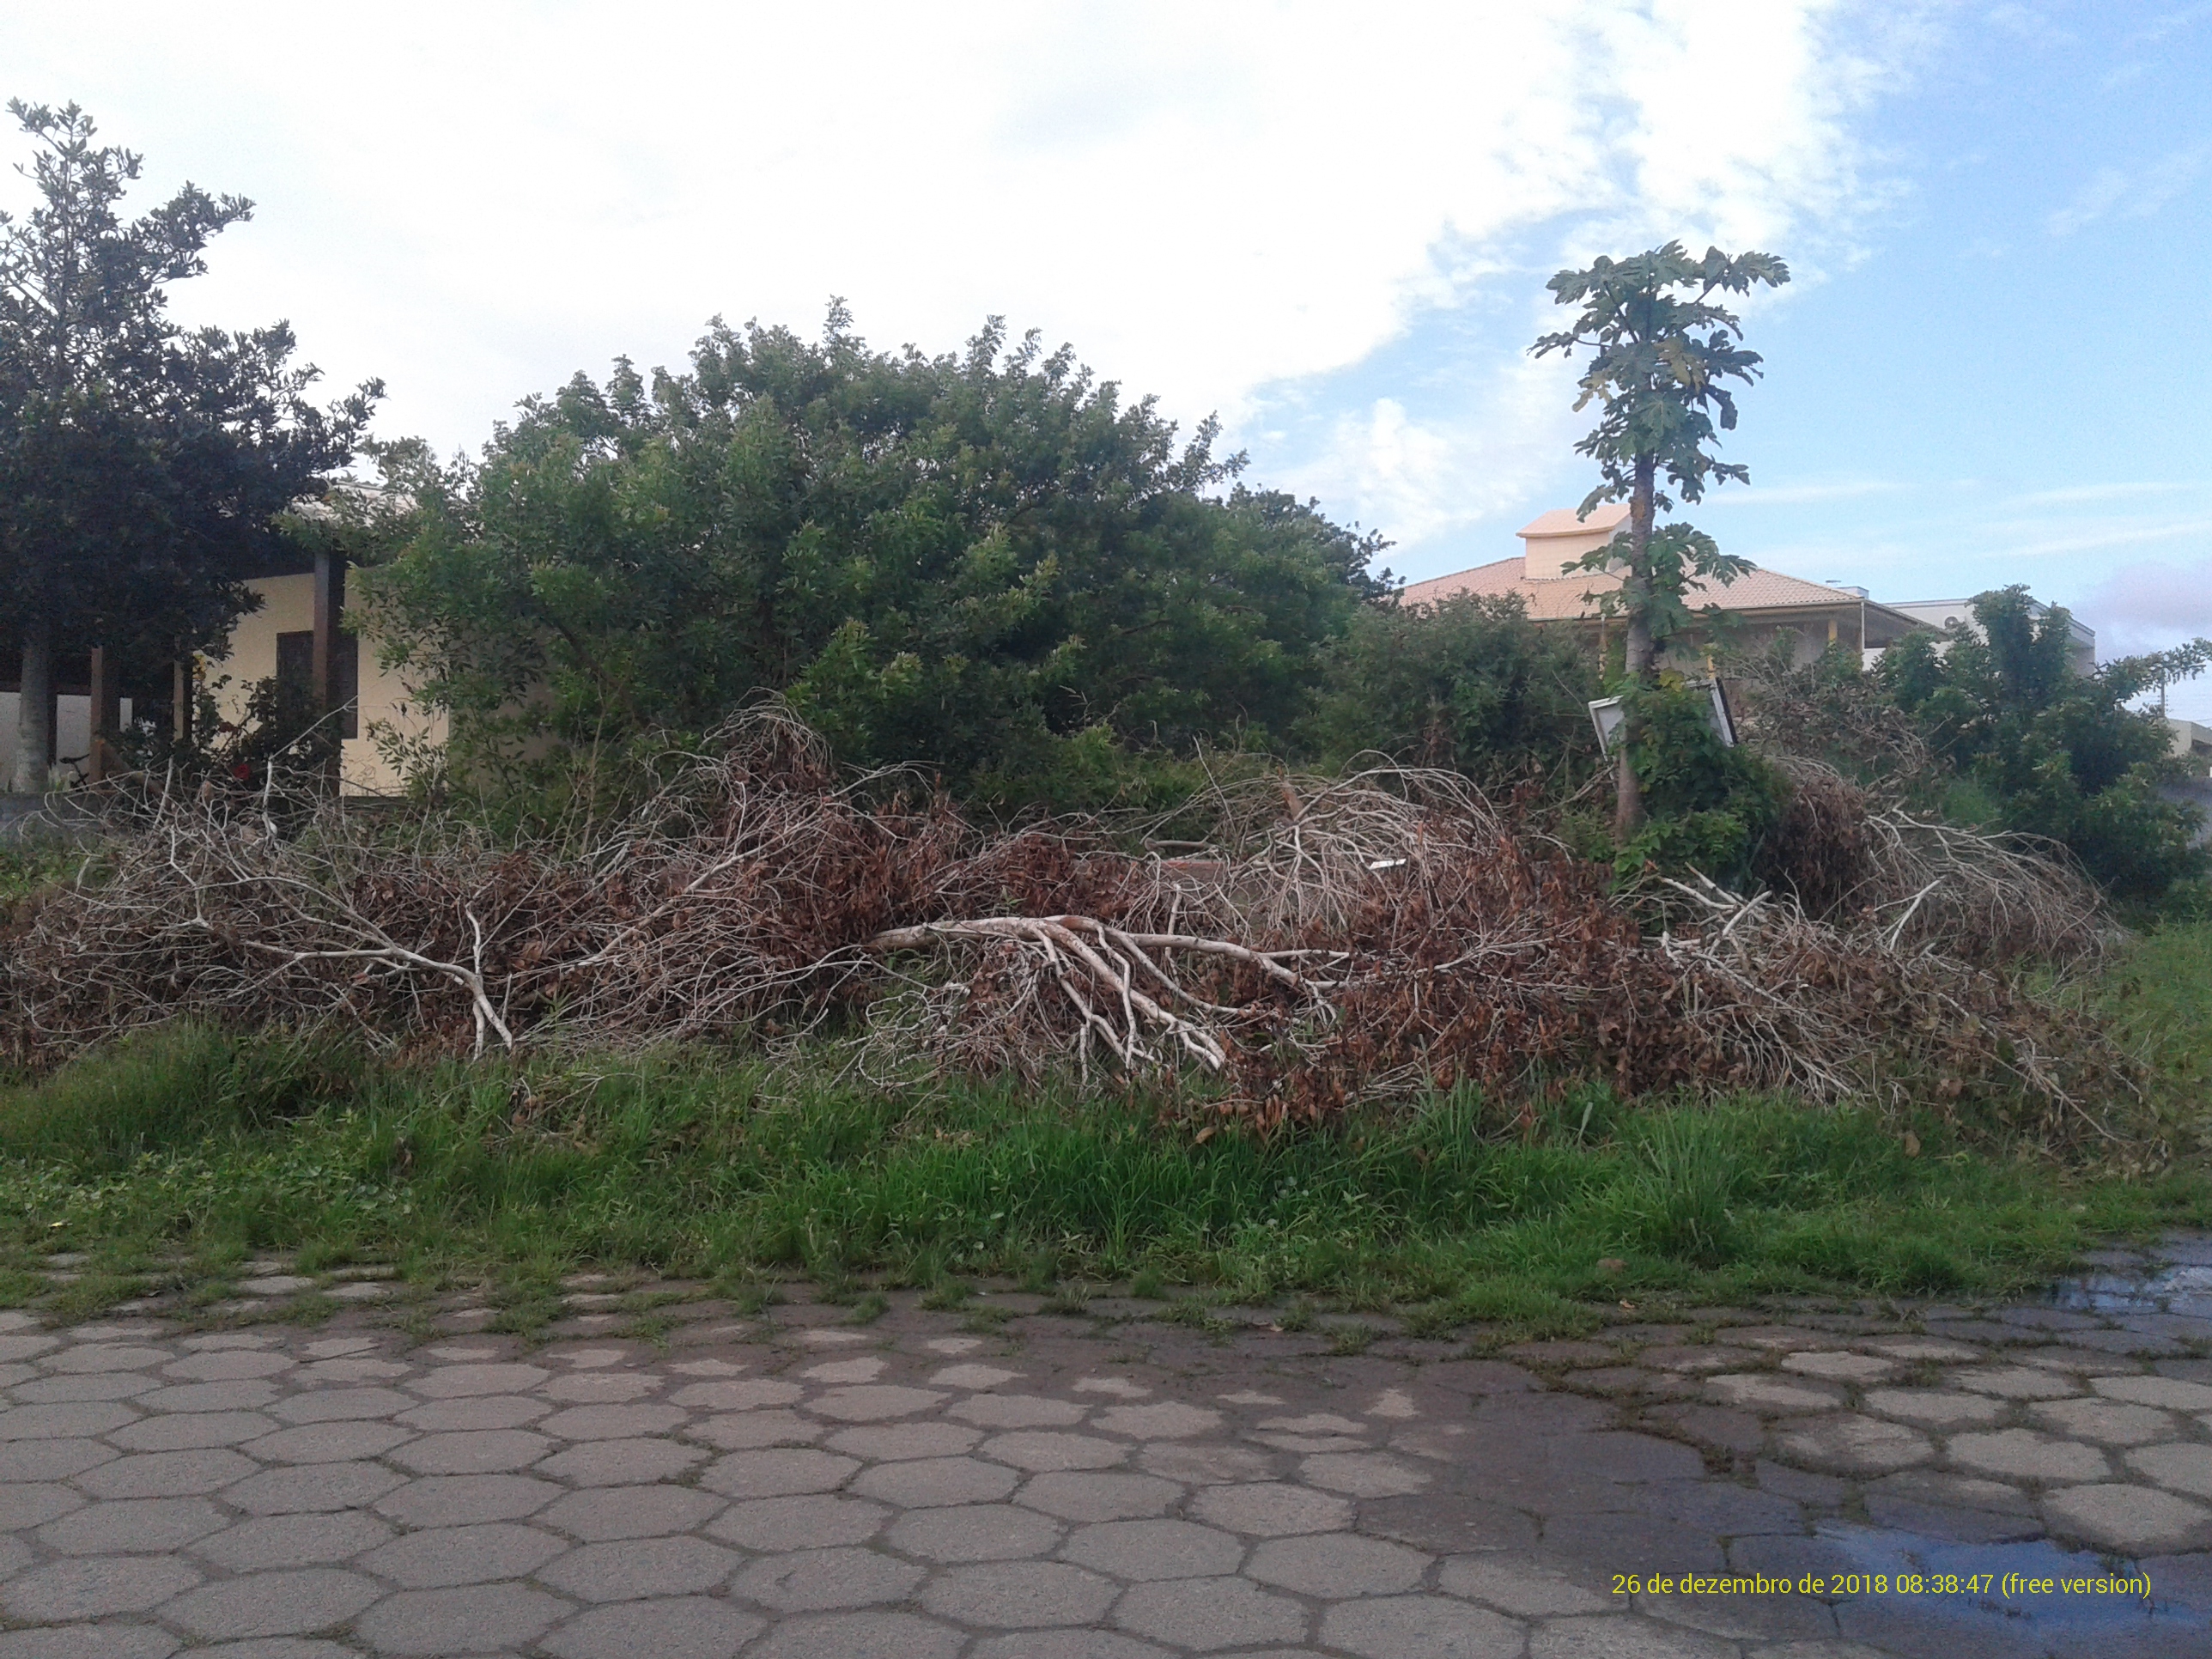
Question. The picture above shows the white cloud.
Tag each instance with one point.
(2139, 195)
(1224, 204)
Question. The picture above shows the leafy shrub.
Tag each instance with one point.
(2059, 753)
(1470, 684)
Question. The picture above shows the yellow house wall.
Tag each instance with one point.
(388, 703)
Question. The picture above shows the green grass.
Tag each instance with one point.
(172, 1158)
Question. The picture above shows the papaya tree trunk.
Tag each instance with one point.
(1636, 594)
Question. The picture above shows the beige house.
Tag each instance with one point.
(298, 633)
(1766, 603)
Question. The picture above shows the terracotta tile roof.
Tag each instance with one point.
(1562, 599)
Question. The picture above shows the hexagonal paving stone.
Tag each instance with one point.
(778, 1474)
(90, 1589)
(688, 1627)
(2135, 1520)
(860, 1636)
(483, 1451)
(476, 1411)
(189, 1430)
(2017, 1383)
(106, 1640)
(613, 1422)
(479, 1618)
(452, 1381)
(743, 1394)
(1068, 1644)
(32, 1503)
(601, 1388)
(166, 1474)
(1099, 1497)
(439, 1556)
(2108, 1422)
(272, 1603)
(974, 1532)
(2172, 1392)
(461, 1500)
(1771, 1397)
(892, 1441)
(620, 1462)
(633, 1568)
(928, 1482)
(1333, 1565)
(1621, 1636)
(51, 1460)
(1854, 1445)
(1017, 1411)
(2178, 1467)
(1272, 1509)
(243, 1394)
(1839, 1367)
(33, 1389)
(292, 1541)
(1420, 1628)
(874, 1402)
(339, 1404)
(2024, 1455)
(1520, 1588)
(313, 1488)
(1204, 1465)
(224, 1366)
(329, 1442)
(1167, 1420)
(812, 1580)
(1936, 1408)
(1155, 1549)
(134, 1525)
(813, 1520)
(745, 1431)
(108, 1356)
(1362, 1474)
(1019, 1594)
(1206, 1614)
(63, 1420)
(969, 1375)
(606, 1512)
(1045, 1451)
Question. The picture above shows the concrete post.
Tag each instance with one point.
(35, 713)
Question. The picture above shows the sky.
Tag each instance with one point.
(1330, 224)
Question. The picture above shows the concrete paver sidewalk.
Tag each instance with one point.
(1102, 1487)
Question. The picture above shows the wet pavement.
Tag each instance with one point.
(1098, 1482)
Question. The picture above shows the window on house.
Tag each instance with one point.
(296, 668)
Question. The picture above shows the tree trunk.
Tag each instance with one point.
(1628, 794)
(34, 702)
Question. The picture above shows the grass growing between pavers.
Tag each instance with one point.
(168, 1160)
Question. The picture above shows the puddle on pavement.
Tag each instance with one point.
(1937, 1561)
(2176, 1279)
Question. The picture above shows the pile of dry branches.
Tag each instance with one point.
(1332, 940)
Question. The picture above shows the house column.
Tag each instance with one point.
(34, 711)
(329, 605)
(105, 709)
(180, 699)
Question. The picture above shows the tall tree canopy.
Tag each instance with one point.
(142, 466)
(989, 562)
(1662, 352)
(2058, 753)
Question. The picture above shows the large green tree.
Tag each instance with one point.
(1662, 352)
(142, 466)
(988, 562)
(2057, 753)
